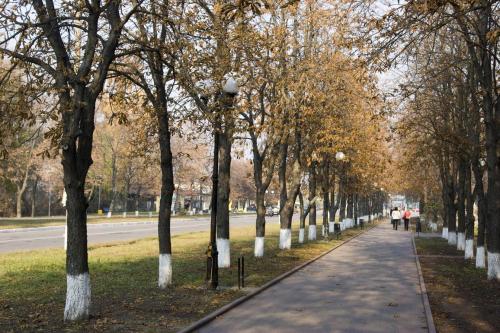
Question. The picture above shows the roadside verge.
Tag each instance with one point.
(423, 291)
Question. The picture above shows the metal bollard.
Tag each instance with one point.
(241, 272)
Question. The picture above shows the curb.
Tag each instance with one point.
(210, 317)
(425, 299)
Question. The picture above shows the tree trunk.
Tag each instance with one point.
(469, 221)
(33, 197)
(113, 184)
(444, 198)
(451, 211)
(261, 185)
(312, 195)
(287, 198)
(355, 209)
(326, 207)
(325, 187)
(125, 200)
(76, 160)
(223, 192)
(50, 201)
(343, 203)
(21, 188)
(167, 192)
(302, 218)
(285, 241)
(462, 170)
(350, 206)
(19, 202)
(333, 207)
(260, 224)
(481, 212)
(493, 201)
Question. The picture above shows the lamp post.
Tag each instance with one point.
(226, 100)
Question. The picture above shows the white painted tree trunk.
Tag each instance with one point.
(77, 297)
(136, 213)
(124, 214)
(469, 249)
(164, 271)
(331, 227)
(285, 239)
(480, 260)
(461, 241)
(301, 235)
(109, 214)
(493, 266)
(312, 233)
(452, 238)
(259, 247)
(224, 257)
(445, 233)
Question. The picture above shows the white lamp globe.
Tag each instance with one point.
(339, 156)
(231, 86)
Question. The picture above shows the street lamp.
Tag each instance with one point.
(226, 98)
(339, 156)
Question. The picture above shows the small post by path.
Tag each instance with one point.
(241, 272)
(418, 226)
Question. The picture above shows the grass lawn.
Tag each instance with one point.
(46, 222)
(461, 297)
(124, 276)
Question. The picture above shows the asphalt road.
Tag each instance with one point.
(51, 237)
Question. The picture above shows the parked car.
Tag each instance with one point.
(251, 208)
(269, 211)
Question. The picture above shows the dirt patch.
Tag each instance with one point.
(461, 298)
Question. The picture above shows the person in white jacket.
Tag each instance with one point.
(395, 217)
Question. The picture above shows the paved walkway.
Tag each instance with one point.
(367, 285)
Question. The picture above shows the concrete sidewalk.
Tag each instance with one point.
(370, 284)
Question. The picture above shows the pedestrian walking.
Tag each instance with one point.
(406, 219)
(390, 216)
(396, 217)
